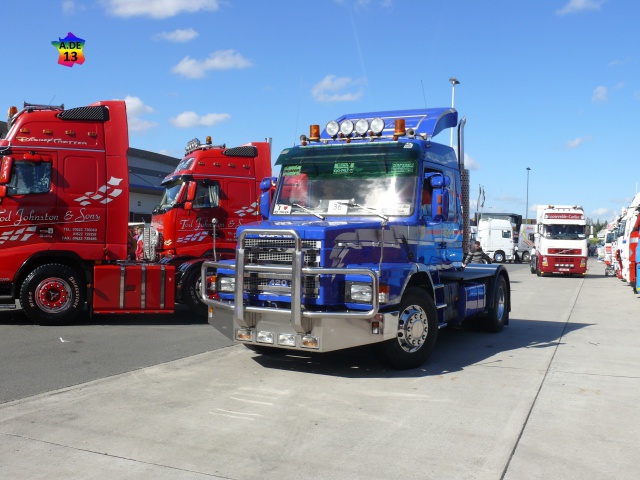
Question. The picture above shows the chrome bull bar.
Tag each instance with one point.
(296, 313)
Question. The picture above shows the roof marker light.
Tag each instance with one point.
(332, 128)
(377, 125)
(399, 128)
(346, 127)
(314, 133)
(362, 126)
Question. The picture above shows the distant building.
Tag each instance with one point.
(146, 171)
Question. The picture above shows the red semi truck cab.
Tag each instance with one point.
(213, 188)
(64, 209)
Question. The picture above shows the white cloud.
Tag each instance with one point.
(179, 36)
(192, 119)
(135, 110)
(70, 7)
(218, 60)
(602, 213)
(337, 89)
(600, 94)
(576, 6)
(470, 163)
(158, 8)
(576, 142)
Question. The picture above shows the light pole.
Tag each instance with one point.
(454, 81)
(526, 213)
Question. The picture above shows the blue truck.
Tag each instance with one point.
(362, 243)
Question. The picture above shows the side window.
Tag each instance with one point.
(427, 194)
(207, 196)
(28, 178)
(506, 233)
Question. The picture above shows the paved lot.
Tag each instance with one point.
(555, 395)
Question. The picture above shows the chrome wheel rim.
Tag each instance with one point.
(413, 328)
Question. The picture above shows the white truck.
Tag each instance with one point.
(560, 241)
(496, 239)
(526, 241)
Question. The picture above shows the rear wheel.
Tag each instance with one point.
(417, 331)
(53, 294)
(498, 315)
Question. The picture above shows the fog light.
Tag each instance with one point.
(310, 342)
(375, 328)
(287, 339)
(265, 337)
(244, 335)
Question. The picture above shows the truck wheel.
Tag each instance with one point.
(525, 256)
(417, 331)
(53, 294)
(498, 257)
(191, 293)
(533, 264)
(498, 315)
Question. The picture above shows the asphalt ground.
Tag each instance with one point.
(555, 395)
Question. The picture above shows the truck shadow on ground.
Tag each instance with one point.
(182, 316)
(455, 350)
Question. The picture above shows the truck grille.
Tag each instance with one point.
(280, 251)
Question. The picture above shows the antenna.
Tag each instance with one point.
(423, 96)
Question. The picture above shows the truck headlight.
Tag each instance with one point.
(226, 284)
(359, 292)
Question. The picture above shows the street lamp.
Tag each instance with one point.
(454, 81)
(526, 213)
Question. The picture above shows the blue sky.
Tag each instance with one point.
(553, 85)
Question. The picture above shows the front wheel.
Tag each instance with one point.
(498, 257)
(417, 331)
(525, 256)
(498, 315)
(191, 293)
(53, 294)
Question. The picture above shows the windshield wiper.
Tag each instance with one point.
(308, 211)
(372, 210)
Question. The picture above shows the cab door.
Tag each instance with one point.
(28, 215)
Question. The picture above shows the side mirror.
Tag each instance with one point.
(3, 192)
(5, 172)
(191, 192)
(188, 206)
(440, 200)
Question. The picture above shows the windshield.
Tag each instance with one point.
(565, 232)
(348, 185)
(170, 195)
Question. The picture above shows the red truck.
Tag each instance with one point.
(64, 205)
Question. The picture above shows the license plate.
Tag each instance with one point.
(563, 269)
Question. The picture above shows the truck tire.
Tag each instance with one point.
(532, 264)
(498, 315)
(525, 256)
(417, 331)
(498, 256)
(191, 293)
(53, 294)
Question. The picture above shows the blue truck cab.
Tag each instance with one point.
(363, 243)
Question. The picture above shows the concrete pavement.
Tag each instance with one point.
(555, 395)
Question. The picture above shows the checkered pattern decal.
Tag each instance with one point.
(104, 195)
(18, 235)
